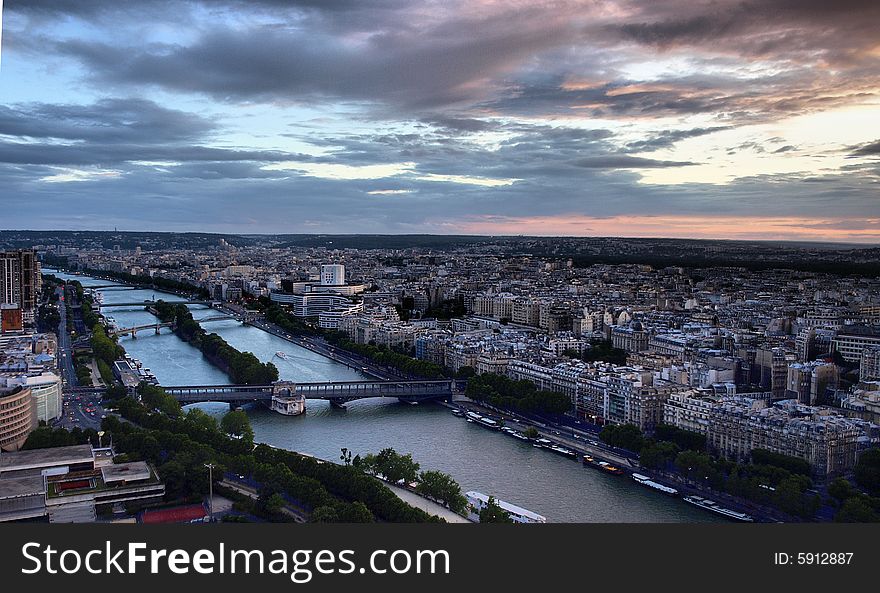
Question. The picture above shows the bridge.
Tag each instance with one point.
(148, 302)
(122, 331)
(106, 286)
(288, 398)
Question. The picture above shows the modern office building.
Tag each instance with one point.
(332, 275)
(851, 342)
(20, 281)
(310, 299)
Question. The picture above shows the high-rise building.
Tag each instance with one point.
(20, 281)
(332, 274)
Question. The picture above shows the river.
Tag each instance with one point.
(479, 459)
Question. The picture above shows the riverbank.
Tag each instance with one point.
(586, 445)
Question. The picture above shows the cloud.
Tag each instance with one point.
(869, 149)
(322, 114)
(626, 162)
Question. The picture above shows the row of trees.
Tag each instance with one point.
(45, 437)
(771, 478)
(242, 367)
(386, 357)
(398, 468)
(282, 319)
(522, 396)
(154, 281)
(179, 445)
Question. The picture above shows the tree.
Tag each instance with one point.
(840, 489)
(858, 509)
(493, 513)
(867, 470)
(324, 514)
(272, 504)
(345, 457)
(443, 488)
(625, 436)
(531, 432)
(393, 466)
(658, 455)
(236, 423)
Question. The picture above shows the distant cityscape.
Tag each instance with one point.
(642, 344)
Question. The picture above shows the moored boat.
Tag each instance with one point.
(608, 468)
(711, 505)
(647, 481)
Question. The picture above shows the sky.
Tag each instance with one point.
(666, 118)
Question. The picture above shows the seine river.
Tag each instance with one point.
(479, 459)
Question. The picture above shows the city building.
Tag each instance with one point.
(20, 281)
(69, 484)
(830, 443)
(18, 417)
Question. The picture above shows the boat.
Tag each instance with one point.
(477, 501)
(564, 451)
(458, 413)
(588, 460)
(488, 423)
(543, 443)
(647, 481)
(282, 355)
(608, 468)
(711, 505)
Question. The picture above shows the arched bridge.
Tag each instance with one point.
(122, 331)
(148, 302)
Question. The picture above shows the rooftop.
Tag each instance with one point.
(43, 458)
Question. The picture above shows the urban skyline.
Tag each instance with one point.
(722, 120)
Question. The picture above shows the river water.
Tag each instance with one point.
(479, 459)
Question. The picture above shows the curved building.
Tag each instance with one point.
(18, 418)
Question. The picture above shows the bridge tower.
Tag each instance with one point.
(286, 400)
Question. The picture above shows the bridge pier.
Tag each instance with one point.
(338, 404)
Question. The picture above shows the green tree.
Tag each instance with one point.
(393, 466)
(493, 513)
(625, 436)
(858, 509)
(236, 423)
(867, 470)
(443, 488)
(840, 489)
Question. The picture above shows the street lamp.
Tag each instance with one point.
(210, 467)
(100, 434)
